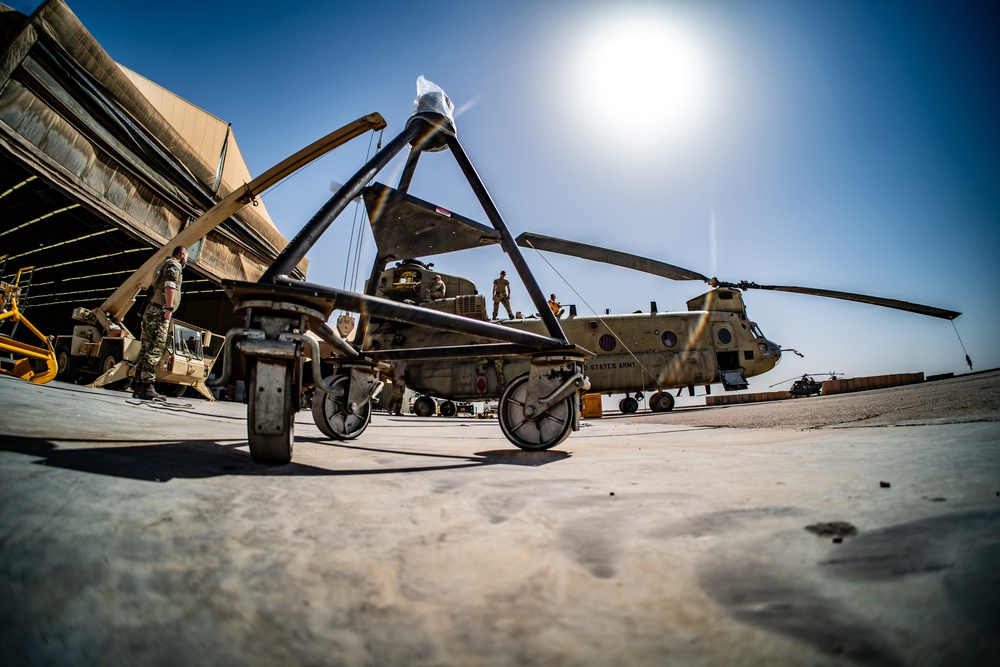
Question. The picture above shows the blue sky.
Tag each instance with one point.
(847, 145)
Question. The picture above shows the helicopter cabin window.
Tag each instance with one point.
(748, 355)
(669, 339)
(725, 296)
(725, 336)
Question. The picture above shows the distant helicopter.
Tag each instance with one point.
(447, 348)
(805, 385)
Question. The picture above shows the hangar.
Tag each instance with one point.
(99, 166)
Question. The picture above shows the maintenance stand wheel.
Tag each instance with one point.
(270, 413)
(330, 411)
(548, 431)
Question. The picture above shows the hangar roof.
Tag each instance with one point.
(99, 165)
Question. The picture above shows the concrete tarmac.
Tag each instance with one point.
(858, 529)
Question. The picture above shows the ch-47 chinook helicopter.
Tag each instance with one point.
(714, 341)
(537, 367)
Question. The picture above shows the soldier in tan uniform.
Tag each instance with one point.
(501, 295)
(437, 289)
(165, 298)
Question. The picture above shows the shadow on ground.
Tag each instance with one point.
(200, 459)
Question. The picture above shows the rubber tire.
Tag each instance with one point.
(108, 361)
(424, 406)
(629, 406)
(330, 414)
(448, 409)
(68, 366)
(661, 401)
(268, 449)
(545, 433)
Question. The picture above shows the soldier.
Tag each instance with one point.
(397, 369)
(501, 294)
(555, 306)
(165, 298)
(437, 289)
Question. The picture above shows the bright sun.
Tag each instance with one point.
(644, 74)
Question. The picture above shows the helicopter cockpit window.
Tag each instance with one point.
(755, 330)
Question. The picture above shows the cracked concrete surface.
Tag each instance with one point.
(131, 534)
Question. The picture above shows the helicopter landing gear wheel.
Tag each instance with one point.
(270, 414)
(661, 401)
(448, 409)
(424, 406)
(628, 405)
(330, 411)
(547, 431)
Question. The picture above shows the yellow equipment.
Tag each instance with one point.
(25, 357)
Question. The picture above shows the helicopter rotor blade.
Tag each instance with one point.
(849, 296)
(657, 268)
(607, 256)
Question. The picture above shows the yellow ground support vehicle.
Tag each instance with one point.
(28, 362)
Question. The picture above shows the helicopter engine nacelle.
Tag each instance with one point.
(726, 300)
(466, 305)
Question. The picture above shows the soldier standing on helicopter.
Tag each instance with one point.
(501, 295)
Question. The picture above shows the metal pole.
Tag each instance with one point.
(308, 235)
(508, 243)
(373, 306)
(408, 169)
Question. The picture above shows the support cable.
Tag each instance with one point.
(352, 266)
(601, 319)
(968, 359)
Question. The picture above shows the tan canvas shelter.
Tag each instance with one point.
(98, 165)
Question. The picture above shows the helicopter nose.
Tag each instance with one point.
(775, 350)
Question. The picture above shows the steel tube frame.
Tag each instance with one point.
(373, 306)
(489, 350)
(297, 248)
(508, 243)
(417, 132)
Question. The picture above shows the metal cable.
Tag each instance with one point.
(596, 314)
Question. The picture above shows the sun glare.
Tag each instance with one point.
(644, 73)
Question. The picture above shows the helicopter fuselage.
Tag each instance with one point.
(712, 342)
